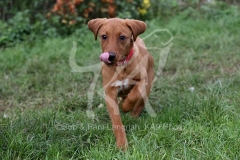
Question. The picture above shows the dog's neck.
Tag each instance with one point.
(125, 60)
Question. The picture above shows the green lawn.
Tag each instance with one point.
(43, 104)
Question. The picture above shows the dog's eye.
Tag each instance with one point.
(104, 37)
(122, 38)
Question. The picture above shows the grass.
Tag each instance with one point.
(43, 104)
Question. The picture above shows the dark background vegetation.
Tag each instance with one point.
(29, 20)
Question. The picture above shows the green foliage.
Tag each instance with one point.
(17, 29)
(26, 21)
(218, 10)
(193, 8)
(128, 10)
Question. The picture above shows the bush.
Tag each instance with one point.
(17, 29)
(30, 20)
(77, 12)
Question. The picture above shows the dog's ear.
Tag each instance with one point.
(95, 24)
(137, 27)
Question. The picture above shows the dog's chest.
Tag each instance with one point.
(124, 84)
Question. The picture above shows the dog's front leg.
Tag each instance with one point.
(113, 110)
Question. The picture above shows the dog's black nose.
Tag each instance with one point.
(112, 56)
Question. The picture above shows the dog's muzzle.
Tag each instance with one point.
(108, 57)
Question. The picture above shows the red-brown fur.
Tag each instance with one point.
(139, 68)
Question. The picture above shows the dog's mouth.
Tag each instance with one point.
(108, 57)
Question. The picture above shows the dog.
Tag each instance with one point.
(127, 69)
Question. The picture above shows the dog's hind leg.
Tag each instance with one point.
(144, 94)
(134, 96)
(138, 108)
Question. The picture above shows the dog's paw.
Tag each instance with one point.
(122, 144)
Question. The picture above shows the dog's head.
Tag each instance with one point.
(116, 36)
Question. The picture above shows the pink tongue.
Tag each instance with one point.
(104, 57)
